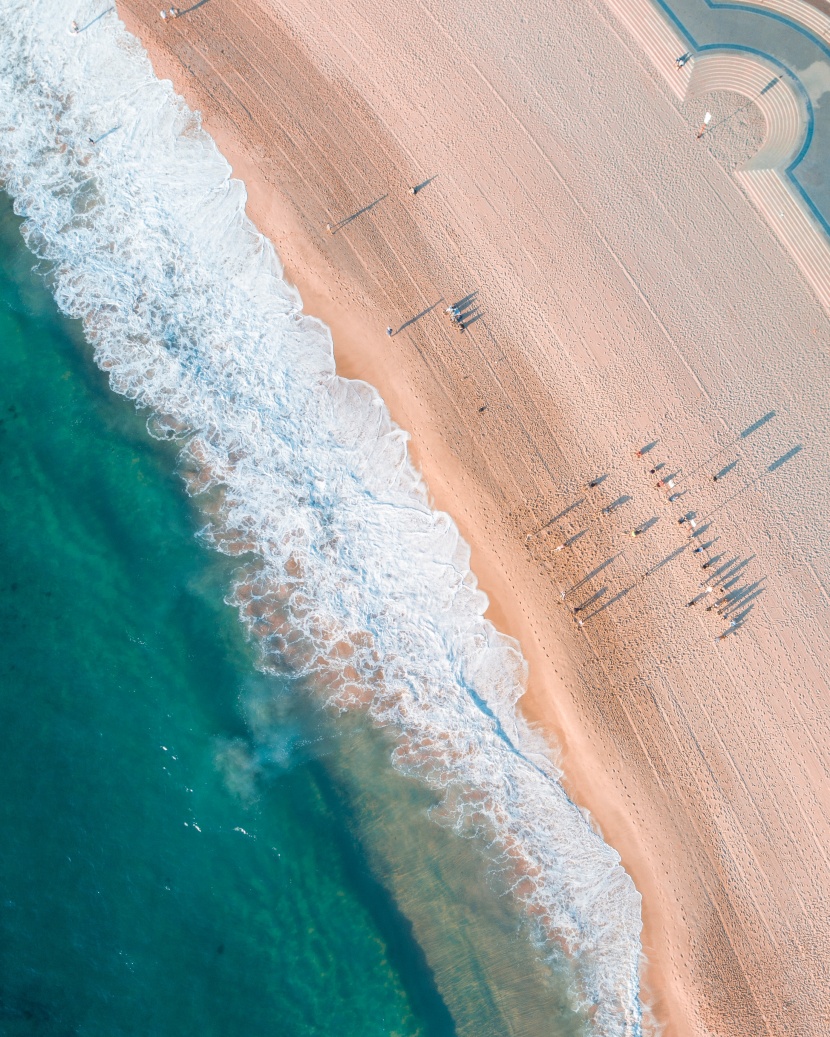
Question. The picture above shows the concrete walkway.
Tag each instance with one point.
(777, 54)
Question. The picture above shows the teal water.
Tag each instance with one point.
(118, 915)
(187, 846)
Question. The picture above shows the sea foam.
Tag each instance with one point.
(356, 582)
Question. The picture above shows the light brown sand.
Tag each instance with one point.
(630, 293)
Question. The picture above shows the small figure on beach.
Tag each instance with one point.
(329, 229)
(714, 478)
(74, 28)
(482, 408)
(91, 141)
(698, 549)
(593, 483)
(638, 453)
(413, 190)
(681, 61)
(707, 564)
(636, 532)
(389, 331)
(681, 520)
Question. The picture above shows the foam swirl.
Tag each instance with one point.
(356, 581)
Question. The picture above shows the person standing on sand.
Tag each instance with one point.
(389, 332)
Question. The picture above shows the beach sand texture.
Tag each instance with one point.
(628, 294)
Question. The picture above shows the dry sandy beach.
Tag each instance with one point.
(628, 294)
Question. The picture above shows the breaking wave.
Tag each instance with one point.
(349, 576)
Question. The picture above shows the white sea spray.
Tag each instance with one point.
(357, 582)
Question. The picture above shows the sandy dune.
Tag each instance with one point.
(629, 294)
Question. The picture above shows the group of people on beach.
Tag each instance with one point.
(171, 12)
(455, 316)
(729, 598)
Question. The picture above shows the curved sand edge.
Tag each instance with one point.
(591, 325)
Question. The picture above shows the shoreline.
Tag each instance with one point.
(598, 725)
(358, 353)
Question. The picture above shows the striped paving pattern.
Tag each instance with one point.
(764, 178)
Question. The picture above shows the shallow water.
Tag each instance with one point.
(119, 915)
(189, 846)
(344, 576)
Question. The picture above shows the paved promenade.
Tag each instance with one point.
(805, 57)
(777, 54)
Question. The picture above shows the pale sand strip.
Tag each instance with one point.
(630, 293)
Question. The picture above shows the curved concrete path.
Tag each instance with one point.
(776, 53)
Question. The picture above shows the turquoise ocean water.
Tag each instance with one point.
(264, 765)
(188, 846)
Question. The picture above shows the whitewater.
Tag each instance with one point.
(347, 575)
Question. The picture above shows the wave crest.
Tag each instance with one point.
(351, 577)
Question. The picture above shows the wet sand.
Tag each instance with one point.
(628, 294)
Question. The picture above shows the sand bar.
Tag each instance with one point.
(628, 294)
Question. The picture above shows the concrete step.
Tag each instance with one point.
(782, 108)
(803, 238)
(658, 39)
(763, 178)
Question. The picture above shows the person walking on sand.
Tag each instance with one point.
(74, 28)
(389, 332)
